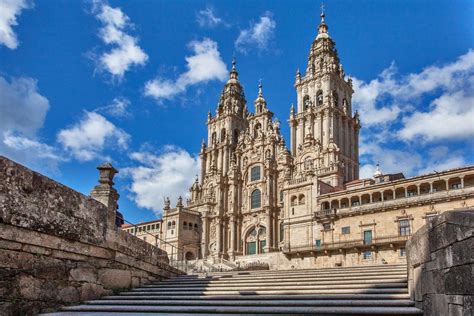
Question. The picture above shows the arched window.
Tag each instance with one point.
(214, 138)
(335, 99)
(294, 200)
(185, 225)
(319, 98)
(255, 199)
(223, 135)
(190, 226)
(169, 225)
(256, 241)
(306, 102)
(196, 228)
(173, 225)
(236, 136)
(308, 163)
(255, 173)
(301, 199)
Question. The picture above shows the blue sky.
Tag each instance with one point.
(131, 82)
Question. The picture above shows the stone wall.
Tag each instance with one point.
(58, 246)
(441, 264)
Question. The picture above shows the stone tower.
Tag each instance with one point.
(324, 133)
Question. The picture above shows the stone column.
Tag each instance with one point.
(232, 236)
(219, 237)
(205, 237)
(268, 223)
(106, 194)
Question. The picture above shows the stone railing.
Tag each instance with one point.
(403, 202)
(441, 264)
(297, 181)
(347, 244)
(58, 246)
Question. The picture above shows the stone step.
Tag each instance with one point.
(323, 310)
(292, 272)
(262, 297)
(280, 287)
(275, 283)
(278, 292)
(282, 302)
(290, 277)
(335, 269)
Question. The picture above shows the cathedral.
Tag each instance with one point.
(300, 205)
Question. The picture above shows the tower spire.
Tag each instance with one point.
(323, 28)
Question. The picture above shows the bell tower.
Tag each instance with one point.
(323, 123)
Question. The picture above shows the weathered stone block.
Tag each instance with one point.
(90, 291)
(459, 280)
(84, 273)
(69, 294)
(115, 278)
(463, 252)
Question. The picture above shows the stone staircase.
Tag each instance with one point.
(367, 290)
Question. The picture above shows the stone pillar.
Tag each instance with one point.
(205, 232)
(219, 237)
(106, 194)
(431, 187)
(268, 223)
(232, 236)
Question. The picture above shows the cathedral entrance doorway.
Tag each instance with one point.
(256, 240)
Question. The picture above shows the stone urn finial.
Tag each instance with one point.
(106, 173)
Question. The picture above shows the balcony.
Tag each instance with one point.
(358, 244)
(397, 203)
(297, 181)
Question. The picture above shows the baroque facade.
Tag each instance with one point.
(302, 206)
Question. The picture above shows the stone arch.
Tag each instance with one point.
(255, 240)
(190, 255)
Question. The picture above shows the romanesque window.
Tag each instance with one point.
(306, 102)
(319, 98)
(185, 225)
(308, 163)
(173, 225)
(236, 136)
(294, 200)
(404, 227)
(282, 231)
(223, 135)
(255, 199)
(301, 199)
(196, 227)
(255, 173)
(190, 226)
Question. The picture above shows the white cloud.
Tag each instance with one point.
(168, 174)
(125, 52)
(205, 65)
(117, 108)
(87, 139)
(257, 35)
(390, 97)
(22, 113)
(451, 116)
(208, 18)
(22, 108)
(9, 11)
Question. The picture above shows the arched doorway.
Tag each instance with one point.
(256, 240)
(190, 256)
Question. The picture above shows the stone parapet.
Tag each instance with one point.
(441, 264)
(57, 248)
